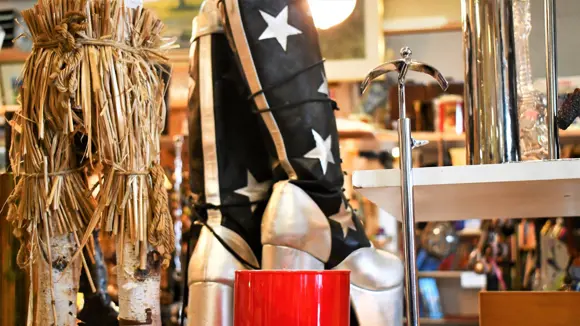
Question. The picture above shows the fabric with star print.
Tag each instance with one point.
(243, 167)
(284, 47)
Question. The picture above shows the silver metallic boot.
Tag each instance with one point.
(230, 174)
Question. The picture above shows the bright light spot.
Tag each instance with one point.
(93, 182)
(449, 238)
(436, 231)
(329, 13)
(80, 301)
(396, 152)
(167, 183)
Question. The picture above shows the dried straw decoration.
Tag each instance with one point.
(92, 95)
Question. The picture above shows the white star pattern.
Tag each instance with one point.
(278, 28)
(344, 218)
(324, 87)
(255, 191)
(322, 151)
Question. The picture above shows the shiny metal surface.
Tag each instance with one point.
(378, 308)
(406, 143)
(552, 78)
(208, 21)
(232, 8)
(211, 262)
(408, 215)
(210, 304)
(373, 270)
(211, 277)
(491, 115)
(278, 257)
(402, 65)
(292, 219)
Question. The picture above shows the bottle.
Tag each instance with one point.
(532, 106)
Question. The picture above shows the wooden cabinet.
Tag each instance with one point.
(529, 308)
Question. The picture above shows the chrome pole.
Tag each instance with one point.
(408, 200)
(552, 78)
(407, 196)
(406, 144)
(491, 111)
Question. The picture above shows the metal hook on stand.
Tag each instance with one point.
(406, 144)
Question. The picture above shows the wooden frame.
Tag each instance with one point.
(355, 70)
(10, 74)
(177, 16)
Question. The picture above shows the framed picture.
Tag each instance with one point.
(177, 15)
(355, 46)
(10, 74)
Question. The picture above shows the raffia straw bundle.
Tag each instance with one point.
(51, 206)
(93, 72)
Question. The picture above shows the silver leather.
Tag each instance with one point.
(210, 304)
(278, 257)
(208, 136)
(376, 290)
(211, 262)
(211, 267)
(292, 219)
(374, 270)
(208, 21)
(378, 308)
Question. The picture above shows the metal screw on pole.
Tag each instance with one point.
(406, 144)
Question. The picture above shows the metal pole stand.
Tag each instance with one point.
(552, 78)
(406, 144)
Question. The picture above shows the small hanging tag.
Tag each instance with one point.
(133, 3)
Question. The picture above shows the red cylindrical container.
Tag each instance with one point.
(292, 298)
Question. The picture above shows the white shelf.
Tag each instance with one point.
(468, 280)
(514, 190)
(570, 136)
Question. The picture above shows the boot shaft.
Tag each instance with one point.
(230, 170)
(278, 53)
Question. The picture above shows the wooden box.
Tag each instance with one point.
(529, 308)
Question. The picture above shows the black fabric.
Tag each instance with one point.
(297, 123)
(353, 317)
(342, 246)
(239, 147)
(273, 64)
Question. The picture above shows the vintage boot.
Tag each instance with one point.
(98, 309)
(230, 174)
(307, 224)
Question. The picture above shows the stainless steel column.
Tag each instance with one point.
(491, 113)
(408, 208)
(551, 78)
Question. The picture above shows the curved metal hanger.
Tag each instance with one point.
(402, 66)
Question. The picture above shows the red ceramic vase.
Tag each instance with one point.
(292, 298)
